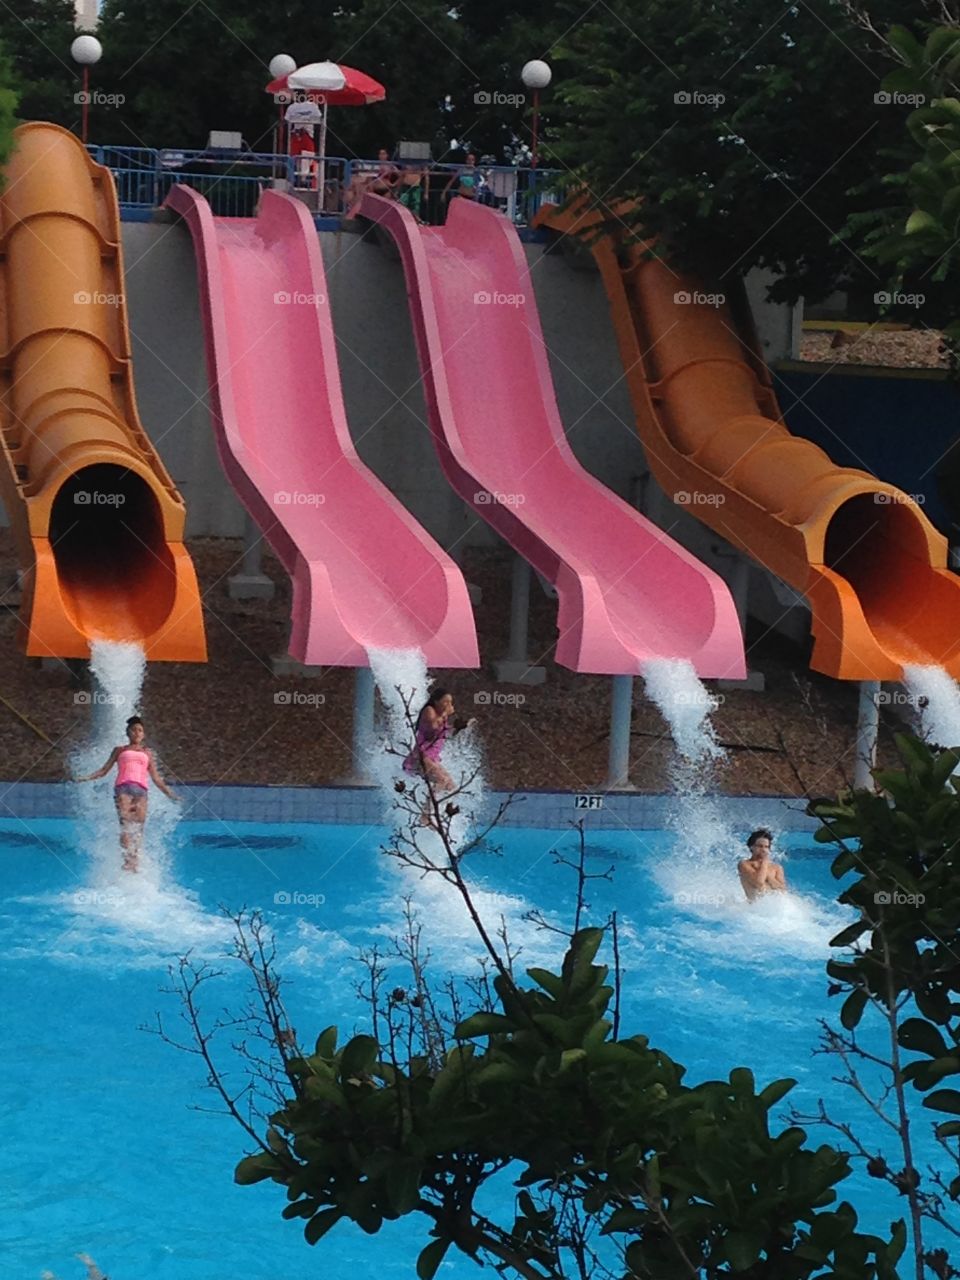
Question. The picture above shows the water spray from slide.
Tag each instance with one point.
(145, 909)
(117, 672)
(674, 687)
(402, 680)
(938, 698)
(699, 876)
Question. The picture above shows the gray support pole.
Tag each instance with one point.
(251, 583)
(515, 667)
(363, 698)
(519, 610)
(621, 709)
(868, 725)
(739, 588)
(252, 548)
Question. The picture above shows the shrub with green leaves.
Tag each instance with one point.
(902, 964)
(613, 1156)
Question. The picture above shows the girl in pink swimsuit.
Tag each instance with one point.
(434, 727)
(135, 764)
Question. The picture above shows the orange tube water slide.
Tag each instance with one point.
(870, 564)
(97, 519)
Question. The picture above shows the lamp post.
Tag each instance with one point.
(85, 50)
(281, 64)
(536, 75)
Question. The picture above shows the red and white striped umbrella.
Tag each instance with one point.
(329, 83)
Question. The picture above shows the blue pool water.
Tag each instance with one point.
(104, 1154)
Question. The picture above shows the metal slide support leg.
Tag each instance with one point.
(738, 581)
(251, 583)
(621, 710)
(519, 610)
(515, 668)
(739, 588)
(363, 698)
(868, 724)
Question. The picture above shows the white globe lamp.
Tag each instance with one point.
(85, 50)
(281, 65)
(536, 75)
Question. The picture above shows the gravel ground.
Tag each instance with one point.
(795, 736)
(911, 349)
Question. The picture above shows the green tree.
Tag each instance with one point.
(37, 35)
(915, 234)
(592, 1129)
(740, 129)
(420, 52)
(8, 109)
(901, 850)
(184, 70)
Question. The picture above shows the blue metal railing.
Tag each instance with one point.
(232, 180)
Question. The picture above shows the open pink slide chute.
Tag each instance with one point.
(365, 574)
(627, 592)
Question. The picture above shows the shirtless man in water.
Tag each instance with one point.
(758, 874)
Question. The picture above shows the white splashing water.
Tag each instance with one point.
(700, 877)
(118, 672)
(674, 687)
(146, 916)
(940, 708)
(686, 705)
(404, 685)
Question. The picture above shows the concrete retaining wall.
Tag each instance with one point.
(380, 374)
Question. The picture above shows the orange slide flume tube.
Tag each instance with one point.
(871, 565)
(98, 521)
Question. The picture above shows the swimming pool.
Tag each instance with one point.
(105, 1155)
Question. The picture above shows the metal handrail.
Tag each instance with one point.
(144, 174)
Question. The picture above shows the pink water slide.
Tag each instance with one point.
(365, 574)
(627, 592)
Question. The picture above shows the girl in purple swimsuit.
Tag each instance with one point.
(434, 727)
(135, 764)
